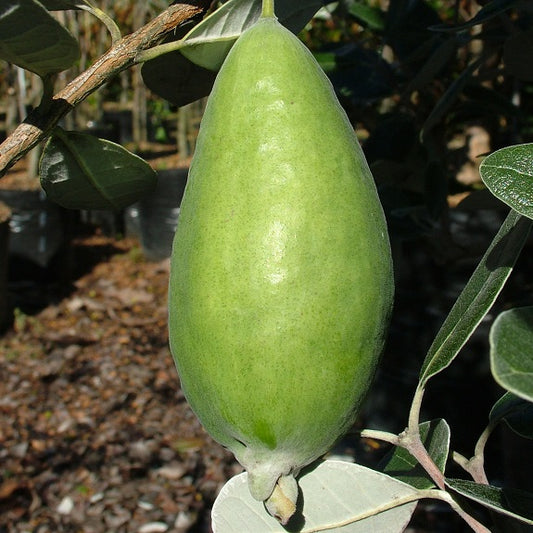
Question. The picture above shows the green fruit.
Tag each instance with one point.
(281, 279)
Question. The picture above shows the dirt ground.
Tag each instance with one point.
(95, 434)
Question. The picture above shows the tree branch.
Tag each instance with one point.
(38, 124)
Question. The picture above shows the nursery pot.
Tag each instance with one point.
(36, 225)
(158, 214)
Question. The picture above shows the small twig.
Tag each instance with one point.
(38, 125)
(475, 466)
(109, 23)
(384, 436)
(432, 494)
(410, 439)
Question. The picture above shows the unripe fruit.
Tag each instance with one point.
(281, 279)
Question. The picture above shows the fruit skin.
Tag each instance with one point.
(281, 278)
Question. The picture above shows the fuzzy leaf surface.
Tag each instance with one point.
(402, 465)
(208, 43)
(508, 173)
(511, 502)
(334, 494)
(478, 295)
(516, 412)
(511, 351)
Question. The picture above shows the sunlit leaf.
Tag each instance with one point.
(511, 502)
(33, 39)
(208, 43)
(79, 171)
(334, 494)
(516, 412)
(478, 295)
(402, 465)
(511, 351)
(508, 173)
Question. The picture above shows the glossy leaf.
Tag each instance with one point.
(511, 351)
(511, 502)
(516, 412)
(79, 171)
(402, 465)
(508, 174)
(335, 493)
(208, 43)
(478, 295)
(33, 39)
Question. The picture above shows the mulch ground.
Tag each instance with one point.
(95, 434)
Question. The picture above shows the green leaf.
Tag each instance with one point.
(516, 412)
(508, 174)
(369, 16)
(511, 502)
(401, 465)
(333, 494)
(511, 351)
(79, 171)
(208, 43)
(32, 39)
(176, 79)
(487, 12)
(478, 295)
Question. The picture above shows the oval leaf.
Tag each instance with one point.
(508, 174)
(208, 43)
(516, 412)
(478, 295)
(32, 39)
(79, 171)
(401, 465)
(511, 351)
(511, 502)
(176, 79)
(335, 494)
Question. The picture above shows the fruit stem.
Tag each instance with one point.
(268, 8)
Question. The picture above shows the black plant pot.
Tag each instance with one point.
(158, 214)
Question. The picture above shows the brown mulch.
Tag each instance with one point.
(95, 434)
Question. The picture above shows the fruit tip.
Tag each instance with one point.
(282, 502)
